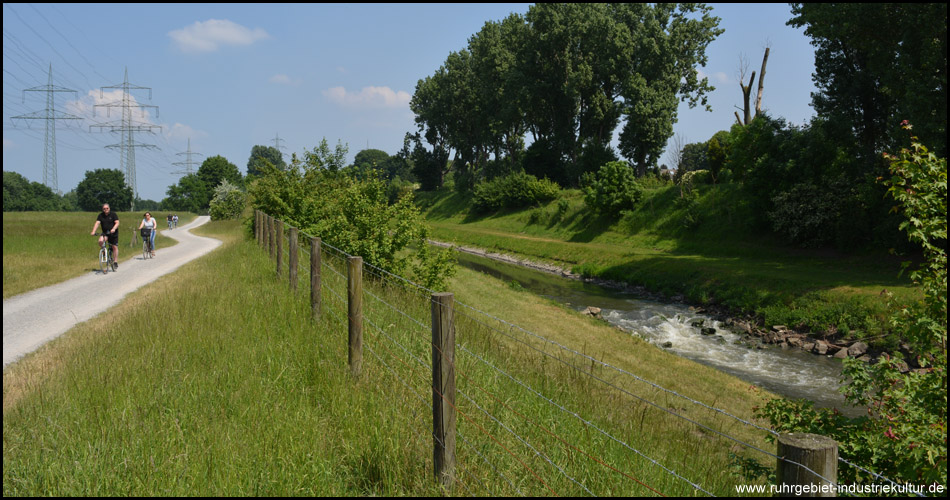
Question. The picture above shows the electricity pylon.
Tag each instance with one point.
(128, 128)
(277, 140)
(187, 163)
(50, 170)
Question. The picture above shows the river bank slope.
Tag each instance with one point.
(719, 263)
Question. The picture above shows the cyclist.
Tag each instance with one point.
(149, 223)
(175, 220)
(169, 221)
(109, 222)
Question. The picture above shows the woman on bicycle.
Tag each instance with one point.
(149, 223)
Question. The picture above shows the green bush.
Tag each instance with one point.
(612, 189)
(807, 214)
(517, 190)
(228, 202)
(356, 217)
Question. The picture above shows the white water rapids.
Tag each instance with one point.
(789, 372)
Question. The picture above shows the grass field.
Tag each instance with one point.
(44, 248)
(719, 260)
(224, 386)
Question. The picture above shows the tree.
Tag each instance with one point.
(694, 157)
(668, 43)
(260, 154)
(188, 195)
(103, 186)
(322, 158)
(370, 160)
(19, 194)
(877, 64)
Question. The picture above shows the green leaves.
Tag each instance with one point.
(354, 216)
(904, 436)
(612, 189)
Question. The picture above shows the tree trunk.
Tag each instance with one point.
(758, 99)
(746, 93)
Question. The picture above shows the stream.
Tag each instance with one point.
(792, 373)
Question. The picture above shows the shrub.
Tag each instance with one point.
(228, 202)
(356, 217)
(612, 189)
(517, 190)
(807, 214)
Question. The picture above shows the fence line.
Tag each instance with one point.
(270, 235)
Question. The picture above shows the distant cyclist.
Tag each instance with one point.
(175, 220)
(109, 222)
(169, 221)
(149, 223)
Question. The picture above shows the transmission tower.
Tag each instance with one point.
(277, 140)
(187, 163)
(50, 171)
(128, 128)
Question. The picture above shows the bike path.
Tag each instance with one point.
(36, 317)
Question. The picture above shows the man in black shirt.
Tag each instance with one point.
(109, 222)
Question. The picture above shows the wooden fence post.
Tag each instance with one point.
(292, 261)
(280, 245)
(270, 236)
(818, 453)
(316, 301)
(443, 388)
(354, 296)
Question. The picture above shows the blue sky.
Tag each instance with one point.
(230, 76)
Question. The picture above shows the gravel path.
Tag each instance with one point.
(33, 318)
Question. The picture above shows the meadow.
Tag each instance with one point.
(45, 248)
(228, 386)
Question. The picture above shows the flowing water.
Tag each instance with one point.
(789, 372)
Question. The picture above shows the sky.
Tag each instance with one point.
(229, 76)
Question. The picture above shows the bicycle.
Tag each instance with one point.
(106, 259)
(147, 249)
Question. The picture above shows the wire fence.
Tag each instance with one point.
(522, 429)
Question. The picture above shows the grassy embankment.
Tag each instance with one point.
(720, 259)
(222, 385)
(45, 248)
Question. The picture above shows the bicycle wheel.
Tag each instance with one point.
(146, 252)
(103, 261)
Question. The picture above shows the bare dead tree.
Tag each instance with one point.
(746, 90)
(675, 154)
(758, 99)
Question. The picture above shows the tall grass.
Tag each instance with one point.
(45, 248)
(215, 381)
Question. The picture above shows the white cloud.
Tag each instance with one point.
(285, 80)
(369, 97)
(182, 132)
(717, 77)
(109, 108)
(208, 36)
